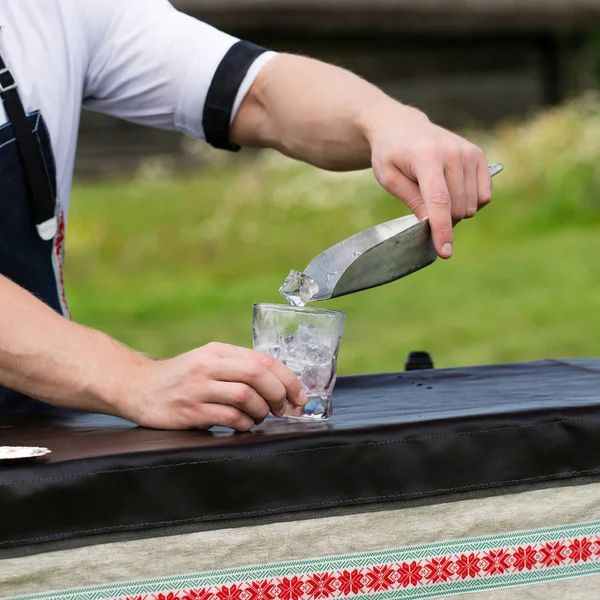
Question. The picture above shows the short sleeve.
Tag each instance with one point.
(153, 65)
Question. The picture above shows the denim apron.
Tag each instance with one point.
(31, 219)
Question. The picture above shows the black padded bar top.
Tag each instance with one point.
(394, 436)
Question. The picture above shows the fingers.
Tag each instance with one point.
(468, 179)
(294, 391)
(396, 183)
(456, 180)
(451, 185)
(471, 163)
(240, 396)
(484, 182)
(256, 390)
(436, 195)
(221, 415)
(436, 173)
(217, 384)
(430, 197)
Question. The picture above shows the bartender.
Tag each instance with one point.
(143, 61)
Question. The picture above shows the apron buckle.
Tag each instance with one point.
(48, 229)
(7, 81)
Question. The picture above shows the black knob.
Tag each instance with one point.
(415, 361)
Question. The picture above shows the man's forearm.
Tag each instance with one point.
(312, 111)
(48, 357)
(333, 119)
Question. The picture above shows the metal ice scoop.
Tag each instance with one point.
(373, 257)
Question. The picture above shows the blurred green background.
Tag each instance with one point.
(185, 262)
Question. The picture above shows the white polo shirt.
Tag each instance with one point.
(140, 60)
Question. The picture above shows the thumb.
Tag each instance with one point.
(406, 190)
(411, 196)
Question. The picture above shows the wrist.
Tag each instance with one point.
(377, 116)
(115, 382)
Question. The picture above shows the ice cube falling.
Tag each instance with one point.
(299, 289)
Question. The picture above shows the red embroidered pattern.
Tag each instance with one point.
(339, 583)
(468, 565)
(59, 242)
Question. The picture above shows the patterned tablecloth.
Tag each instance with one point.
(480, 483)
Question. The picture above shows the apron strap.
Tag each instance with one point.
(44, 203)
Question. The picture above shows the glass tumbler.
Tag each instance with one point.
(307, 341)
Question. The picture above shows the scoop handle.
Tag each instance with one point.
(495, 168)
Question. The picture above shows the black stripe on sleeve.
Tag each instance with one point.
(223, 91)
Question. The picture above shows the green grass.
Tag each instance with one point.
(165, 264)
